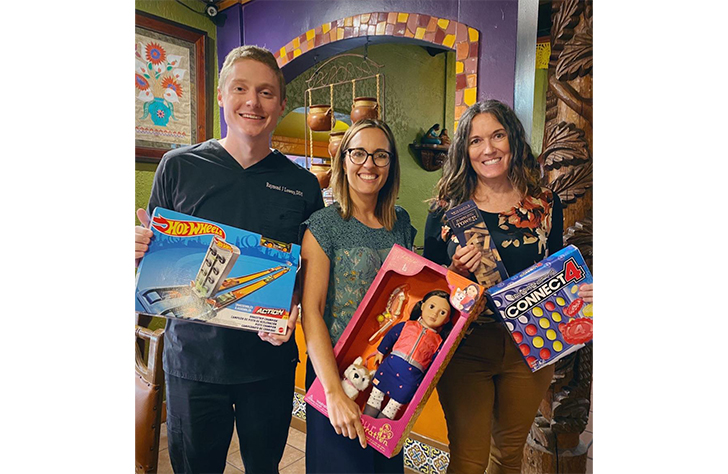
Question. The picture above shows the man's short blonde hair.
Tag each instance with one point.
(255, 53)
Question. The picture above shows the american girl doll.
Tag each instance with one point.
(412, 345)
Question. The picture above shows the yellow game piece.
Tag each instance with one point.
(537, 342)
(561, 301)
(544, 323)
(587, 311)
(558, 346)
(550, 334)
(574, 289)
(556, 317)
(538, 312)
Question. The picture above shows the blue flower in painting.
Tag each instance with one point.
(141, 83)
(155, 53)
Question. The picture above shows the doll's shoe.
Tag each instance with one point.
(371, 411)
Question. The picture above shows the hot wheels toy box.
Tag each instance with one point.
(542, 310)
(211, 273)
(402, 281)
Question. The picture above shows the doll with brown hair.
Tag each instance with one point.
(412, 346)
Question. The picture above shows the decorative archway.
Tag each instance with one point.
(451, 34)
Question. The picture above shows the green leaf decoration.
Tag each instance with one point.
(146, 110)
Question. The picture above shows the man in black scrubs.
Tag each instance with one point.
(218, 377)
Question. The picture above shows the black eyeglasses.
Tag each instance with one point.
(359, 156)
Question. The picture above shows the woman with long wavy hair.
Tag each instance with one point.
(488, 393)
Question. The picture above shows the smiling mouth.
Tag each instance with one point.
(252, 116)
(368, 177)
(491, 162)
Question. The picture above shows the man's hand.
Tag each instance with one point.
(277, 339)
(142, 236)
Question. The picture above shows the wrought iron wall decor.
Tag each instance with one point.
(345, 70)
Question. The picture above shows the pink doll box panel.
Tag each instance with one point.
(420, 276)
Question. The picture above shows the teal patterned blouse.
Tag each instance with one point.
(356, 252)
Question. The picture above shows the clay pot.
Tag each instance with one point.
(324, 178)
(319, 117)
(364, 108)
(334, 140)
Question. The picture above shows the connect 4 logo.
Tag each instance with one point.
(571, 273)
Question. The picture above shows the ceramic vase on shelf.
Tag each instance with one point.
(320, 117)
(324, 178)
(364, 108)
(334, 140)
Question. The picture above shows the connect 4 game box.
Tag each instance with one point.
(542, 310)
(212, 273)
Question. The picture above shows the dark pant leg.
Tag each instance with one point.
(199, 425)
(518, 394)
(263, 415)
(328, 452)
(467, 393)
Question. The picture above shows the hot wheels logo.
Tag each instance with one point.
(185, 228)
(223, 245)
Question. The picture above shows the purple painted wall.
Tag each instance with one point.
(273, 23)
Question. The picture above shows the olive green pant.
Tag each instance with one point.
(490, 398)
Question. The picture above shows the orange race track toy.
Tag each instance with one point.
(210, 273)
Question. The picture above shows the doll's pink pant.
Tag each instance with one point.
(490, 398)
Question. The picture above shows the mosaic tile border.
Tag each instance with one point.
(418, 456)
(452, 34)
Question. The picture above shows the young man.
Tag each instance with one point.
(218, 377)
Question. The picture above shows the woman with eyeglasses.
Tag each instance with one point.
(343, 247)
(488, 393)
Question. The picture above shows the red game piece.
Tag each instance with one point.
(574, 307)
(518, 337)
(525, 349)
(545, 353)
(531, 330)
(578, 331)
(550, 305)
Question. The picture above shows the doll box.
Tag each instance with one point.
(363, 334)
(202, 271)
(541, 308)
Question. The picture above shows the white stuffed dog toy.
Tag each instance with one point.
(356, 378)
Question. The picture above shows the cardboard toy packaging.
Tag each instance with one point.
(469, 228)
(211, 273)
(541, 308)
(401, 282)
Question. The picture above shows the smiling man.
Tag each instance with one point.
(218, 378)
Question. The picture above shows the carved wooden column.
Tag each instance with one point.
(553, 445)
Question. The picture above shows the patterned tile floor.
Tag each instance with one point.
(294, 462)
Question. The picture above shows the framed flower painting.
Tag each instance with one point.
(170, 91)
